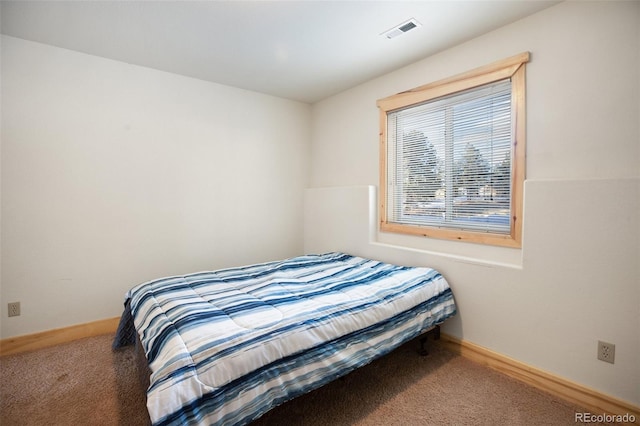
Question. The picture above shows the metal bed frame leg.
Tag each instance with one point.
(435, 331)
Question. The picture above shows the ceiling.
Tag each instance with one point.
(300, 50)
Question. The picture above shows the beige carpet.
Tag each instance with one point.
(85, 383)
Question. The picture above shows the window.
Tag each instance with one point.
(453, 156)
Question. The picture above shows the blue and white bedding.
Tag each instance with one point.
(224, 347)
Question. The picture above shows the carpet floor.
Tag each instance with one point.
(86, 383)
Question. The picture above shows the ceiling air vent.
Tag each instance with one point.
(402, 28)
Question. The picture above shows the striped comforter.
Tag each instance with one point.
(224, 347)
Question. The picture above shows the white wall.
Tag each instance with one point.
(577, 278)
(114, 174)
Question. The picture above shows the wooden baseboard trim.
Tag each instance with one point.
(45, 339)
(594, 402)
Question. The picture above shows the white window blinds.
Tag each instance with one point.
(449, 161)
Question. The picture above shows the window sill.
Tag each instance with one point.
(475, 254)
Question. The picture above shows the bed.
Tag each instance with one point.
(224, 347)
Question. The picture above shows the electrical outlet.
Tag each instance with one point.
(14, 309)
(606, 351)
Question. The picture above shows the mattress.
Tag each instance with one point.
(226, 346)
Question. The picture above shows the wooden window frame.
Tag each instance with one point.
(512, 68)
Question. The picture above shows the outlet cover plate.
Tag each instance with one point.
(14, 309)
(606, 352)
